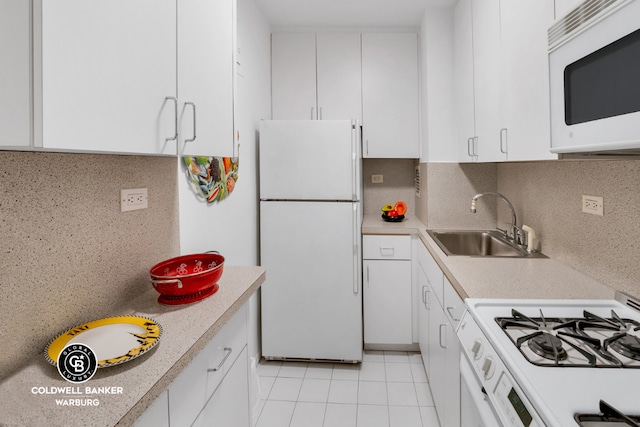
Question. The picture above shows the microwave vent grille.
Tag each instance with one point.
(579, 19)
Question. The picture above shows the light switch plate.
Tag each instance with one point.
(377, 179)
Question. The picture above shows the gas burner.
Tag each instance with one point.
(625, 344)
(589, 341)
(548, 346)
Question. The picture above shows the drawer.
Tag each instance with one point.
(225, 348)
(189, 392)
(386, 247)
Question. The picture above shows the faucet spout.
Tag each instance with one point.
(504, 199)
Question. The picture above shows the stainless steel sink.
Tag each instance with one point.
(478, 243)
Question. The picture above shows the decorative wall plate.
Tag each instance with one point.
(114, 340)
(213, 178)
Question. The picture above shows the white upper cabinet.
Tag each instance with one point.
(316, 76)
(525, 115)
(15, 84)
(477, 79)
(465, 127)
(339, 76)
(205, 77)
(293, 76)
(105, 76)
(487, 79)
(502, 89)
(390, 95)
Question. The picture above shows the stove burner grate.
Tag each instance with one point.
(589, 341)
(608, 415)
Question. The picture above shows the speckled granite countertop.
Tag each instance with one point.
(474, 277)
(186, 330)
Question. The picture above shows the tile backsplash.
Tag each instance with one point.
(68, 254)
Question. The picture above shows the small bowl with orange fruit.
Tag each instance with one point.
(394, 213)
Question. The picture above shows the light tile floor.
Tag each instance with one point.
(388, 389)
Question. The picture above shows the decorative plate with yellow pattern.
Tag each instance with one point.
(114, 340)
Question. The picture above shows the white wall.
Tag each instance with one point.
(231, 226)
(436, 44)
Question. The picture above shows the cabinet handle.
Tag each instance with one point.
(367, 146)
(450, 311)
(469, 152)
(427, 302)
(424, 299)
(368, 284)
(320, 113)
(194, 121)
(503, 131)
(175, 116)
(475, 147)
(312, 113)
(387, 251)
(440, 336)
(228, 351)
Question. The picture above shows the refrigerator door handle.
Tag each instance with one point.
(354, 163)
(356, 250)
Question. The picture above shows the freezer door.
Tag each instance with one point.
(311, 299)
(309, 160)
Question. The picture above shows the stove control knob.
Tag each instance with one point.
(477, 349)
(488, 367)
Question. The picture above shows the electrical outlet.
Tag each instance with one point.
(593, 205)
(133, 199)
(377, 179)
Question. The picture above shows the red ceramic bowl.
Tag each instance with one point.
(187, 274)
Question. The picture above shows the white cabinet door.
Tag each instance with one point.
(156, 415)
(390, 95)
(205, 77)
(463, 80)
(387, 302)
(423, 316)
(229, 405)
(15, 83)
(339, 76)
(487, 79)
(103, 73)
(452, 374)
(293, 76)
(438, 359)
(525, 79)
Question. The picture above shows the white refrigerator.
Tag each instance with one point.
(310, 239)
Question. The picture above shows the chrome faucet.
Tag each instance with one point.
(516, 234)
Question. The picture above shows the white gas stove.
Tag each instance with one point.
(551, 362)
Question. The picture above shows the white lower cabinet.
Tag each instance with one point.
(439, 315)
(387, 290)
(156, 415)
(212, 387)
(229, 405)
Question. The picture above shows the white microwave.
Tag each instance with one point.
(594, 76)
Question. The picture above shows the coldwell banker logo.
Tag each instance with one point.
(77, 363)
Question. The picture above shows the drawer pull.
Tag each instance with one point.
(228, 351)
(450, 311)
(387, 251)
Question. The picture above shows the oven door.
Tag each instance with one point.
(475, 408)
